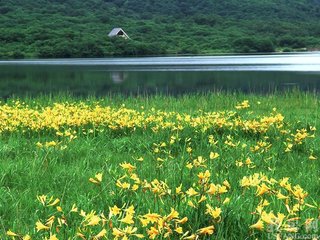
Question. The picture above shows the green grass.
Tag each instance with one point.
(27, 171)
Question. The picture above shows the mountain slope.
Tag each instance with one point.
(75, 28)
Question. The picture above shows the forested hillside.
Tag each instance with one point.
(76, 28)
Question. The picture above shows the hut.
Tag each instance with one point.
(118, 32)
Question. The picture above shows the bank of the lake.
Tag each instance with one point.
(212, 165)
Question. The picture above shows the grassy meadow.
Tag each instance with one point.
(214, 166)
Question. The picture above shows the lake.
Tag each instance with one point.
(161, 75)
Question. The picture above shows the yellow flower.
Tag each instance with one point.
(50, 144)
(259, 209)
(101, 234)
(163, 144)
(173, 214)
(182, 221)
(179, 230)
(262, 189)
(290, 229)
(284, 182)
(26, 237)
(311, 157)
(138, 235)
(226, 201)
(50, 221)
(268, 218)
(280, 218)
(227, 184)
(92, 219)
(248, 161)
(178, 189)
(56, 201)
(202, 199)
(150, 217)
(117, 233)
(280, 196)
(212, 189)
(11, 234)
(222, 189)
(239, 163)
(123, 185)
(215, 213)
(83, 213)
(40, 226)
(259, 225)
(189, 165)
(53, 237)
(127, 166)
(160, 159)
(130, 210)
(135, 187)
(191, 192)
(214, 155)
(144, 222)
(204, 176)
(206, 230)
(191, 204)
(289, 147)
(114, 211)
(153, 232)
(97, 178)
(299, 193)
(74, 208)
(42, 199)
(244, 104)
(140, 159)
(128, 219)
(191, 237)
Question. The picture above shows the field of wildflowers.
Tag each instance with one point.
(193, 167)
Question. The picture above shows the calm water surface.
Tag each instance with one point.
(167, 75)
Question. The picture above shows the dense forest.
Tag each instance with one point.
(76, 28)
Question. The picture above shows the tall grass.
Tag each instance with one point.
(29, 168)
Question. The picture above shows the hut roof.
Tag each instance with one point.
(118, 32)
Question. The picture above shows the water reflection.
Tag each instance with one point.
(34, 79)
(288, 62)
(118, 77)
